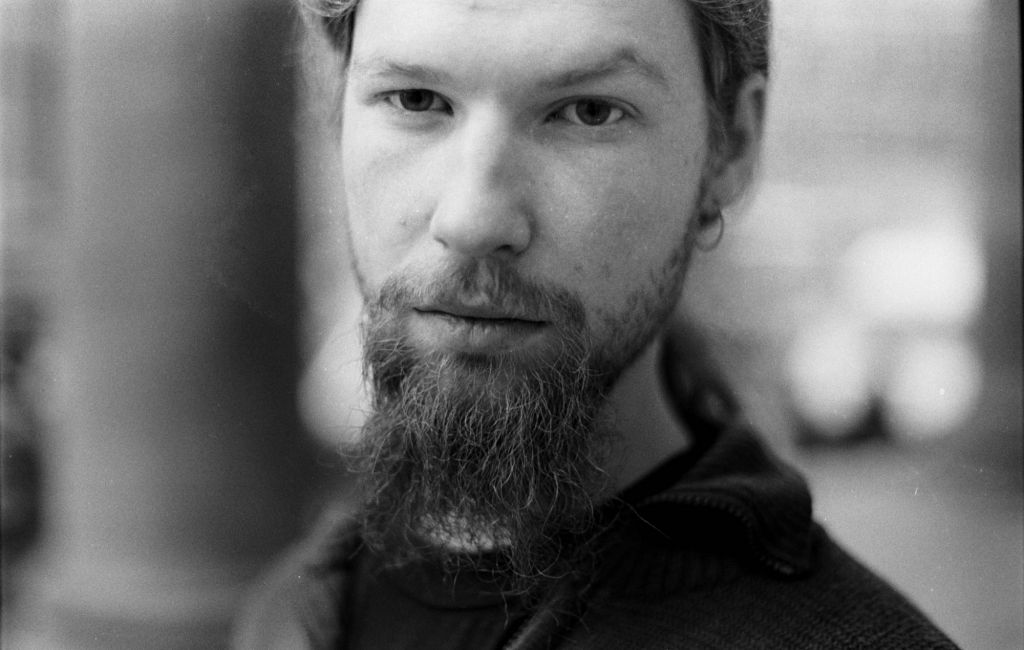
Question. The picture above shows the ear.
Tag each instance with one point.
(732, 166)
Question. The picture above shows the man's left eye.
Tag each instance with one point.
(590, 112)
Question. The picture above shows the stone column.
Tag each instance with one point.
(176, 463)
(1001, 173)
(996, 440)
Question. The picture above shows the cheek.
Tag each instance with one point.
(385, 209)
(621, 221)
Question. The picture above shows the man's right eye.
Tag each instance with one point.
(418, 100)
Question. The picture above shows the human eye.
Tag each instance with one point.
(591, 112)
(417, 100)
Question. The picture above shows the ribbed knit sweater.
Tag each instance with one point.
(716, 548)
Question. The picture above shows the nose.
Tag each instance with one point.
(484, 205)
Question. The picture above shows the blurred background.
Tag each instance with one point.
(178, 316)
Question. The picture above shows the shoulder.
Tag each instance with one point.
(861, 608)
(298, 603)
(838, 604)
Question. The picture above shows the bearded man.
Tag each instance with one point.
(526, 181)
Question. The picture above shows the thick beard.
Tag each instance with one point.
(493, 462)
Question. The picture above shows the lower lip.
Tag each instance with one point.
(473, 335)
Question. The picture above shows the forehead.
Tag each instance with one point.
(528, 41)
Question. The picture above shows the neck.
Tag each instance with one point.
(642, 414)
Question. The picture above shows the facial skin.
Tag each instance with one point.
(502, 165)
(522, 181)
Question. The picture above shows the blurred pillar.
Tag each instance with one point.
(177, 465)
(1001, 323)
(999, 429)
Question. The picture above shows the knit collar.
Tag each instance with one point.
(736, 474)
(735, 509)
(726, 504)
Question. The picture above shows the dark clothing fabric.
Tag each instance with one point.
(716, 548)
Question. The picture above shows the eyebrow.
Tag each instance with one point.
(378, 66)
(625, 60)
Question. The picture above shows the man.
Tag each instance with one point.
(543, 466)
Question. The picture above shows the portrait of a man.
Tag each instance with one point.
(539, 468)
(470, 324)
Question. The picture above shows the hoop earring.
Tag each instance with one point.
(704, 221)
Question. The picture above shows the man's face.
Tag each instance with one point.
(562, 139)
(521, 177)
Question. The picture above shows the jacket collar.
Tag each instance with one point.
(726, 503)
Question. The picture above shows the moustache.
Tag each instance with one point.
(481, 286)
